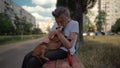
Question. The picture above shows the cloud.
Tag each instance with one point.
(42, 9)
(40, 17)
(34, 9)
(47, 3)
(38, 9)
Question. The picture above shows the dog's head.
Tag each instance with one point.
(55, 38)
(60, 28)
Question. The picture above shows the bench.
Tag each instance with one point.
(63, 63)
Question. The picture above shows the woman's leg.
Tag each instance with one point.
(56, 54)
(26, 59)
(35, 62)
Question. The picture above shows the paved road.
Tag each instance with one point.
(11, 56)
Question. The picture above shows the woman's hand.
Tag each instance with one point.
(56, 31)
(52, 33)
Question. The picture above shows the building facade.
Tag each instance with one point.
(12, 9)
(111, 8)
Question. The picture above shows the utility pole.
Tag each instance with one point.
(99, 6)
(105, 18)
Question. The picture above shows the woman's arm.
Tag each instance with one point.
(66, 43)
(49, 35)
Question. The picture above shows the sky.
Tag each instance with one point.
(40, 9)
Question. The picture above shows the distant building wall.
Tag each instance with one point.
(12, 9)
(111, 7)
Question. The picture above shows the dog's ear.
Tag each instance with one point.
(57, 27)
(60, 28)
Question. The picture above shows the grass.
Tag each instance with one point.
(13, 39)
(101, 52)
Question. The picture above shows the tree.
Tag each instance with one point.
(88, 26)
(77, 9)
(27, 27)
(116, 26)
(19, 25)
(101, 20)
(6, 26)
(37, 31)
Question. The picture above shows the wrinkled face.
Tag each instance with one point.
(62, 20)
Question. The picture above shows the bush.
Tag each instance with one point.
(116, 26)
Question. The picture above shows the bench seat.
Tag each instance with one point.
(63, 63)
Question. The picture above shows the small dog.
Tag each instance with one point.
(54, 43)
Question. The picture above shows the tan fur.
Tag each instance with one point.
(42, 47)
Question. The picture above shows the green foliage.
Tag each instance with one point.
(116, 26)
(99, 25)
(88, 28)
(101, 18)
(91, 28)
(6, 27)
(22, 27)
(19, 25)
(85, 28)
(27, 27)
(37, 31)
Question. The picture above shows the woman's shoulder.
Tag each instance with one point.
(73, 22)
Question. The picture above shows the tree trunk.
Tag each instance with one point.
(79, 18)
(78, 9)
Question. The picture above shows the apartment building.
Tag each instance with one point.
(12, 9)
(111, 7)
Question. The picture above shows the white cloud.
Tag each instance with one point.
(38, 9)
(33, 9)
(44, 2)
(42, 10)
(40, 18)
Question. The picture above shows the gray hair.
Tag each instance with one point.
(61, 10)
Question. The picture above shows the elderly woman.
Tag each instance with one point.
(62, 18)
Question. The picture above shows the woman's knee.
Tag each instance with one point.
(28, 56)
(34, 63)
(26, 59)
(33, 60)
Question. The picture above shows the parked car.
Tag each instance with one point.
(85, 34)
(91, 33)
(110, 33)
(99, 33)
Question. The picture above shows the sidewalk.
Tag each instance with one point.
(12, 55)
(6, 47)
